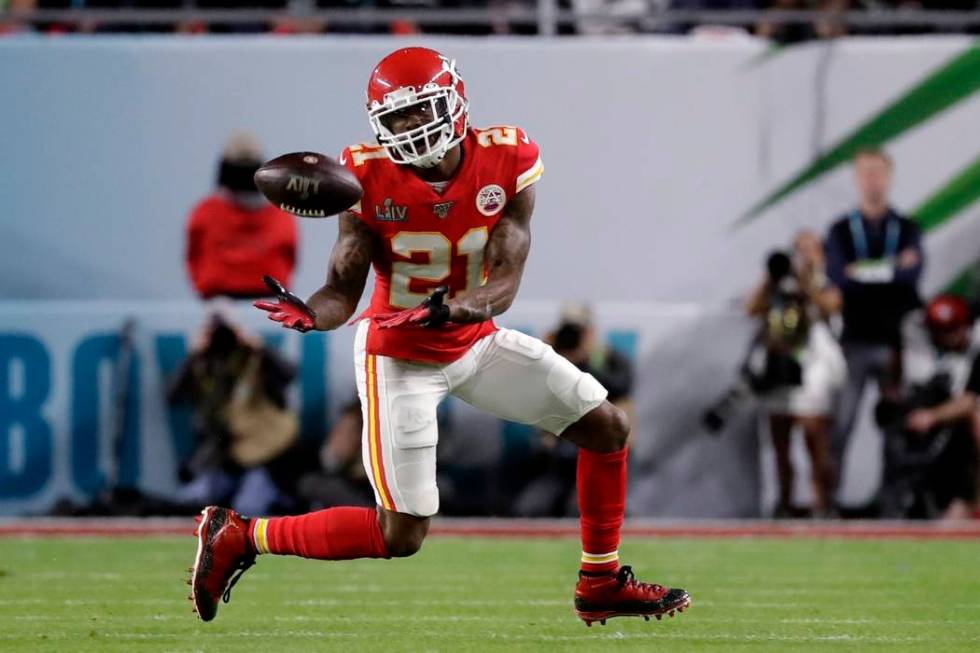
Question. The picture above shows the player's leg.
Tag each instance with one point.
(605, 589)
(400, 463)
(521, 379)
(399, 436)
(400, 401)
(601, 474)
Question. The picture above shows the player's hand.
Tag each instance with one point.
(431, 313)
(289, 310)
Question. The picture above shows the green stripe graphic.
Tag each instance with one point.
(966, 283)
(941, 208)
(961, 191)
(951, 83)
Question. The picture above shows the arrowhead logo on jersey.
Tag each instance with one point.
(490, 200)
(390, 212)
(442, 209)
(300, 184)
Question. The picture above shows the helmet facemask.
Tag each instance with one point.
(424, 146)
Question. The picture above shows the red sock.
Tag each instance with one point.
(601, 479)
(331, 534)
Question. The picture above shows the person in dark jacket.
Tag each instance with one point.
(875, 257)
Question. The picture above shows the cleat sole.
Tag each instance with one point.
(200, 562)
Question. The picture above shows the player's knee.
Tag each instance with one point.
(403, 545)
(618, 427)
(604, 429)
(612, 428)
(403, 534)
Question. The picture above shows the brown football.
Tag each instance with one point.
(308, 184)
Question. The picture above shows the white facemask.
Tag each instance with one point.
(426, 145)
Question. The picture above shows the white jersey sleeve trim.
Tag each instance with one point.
(530, 176)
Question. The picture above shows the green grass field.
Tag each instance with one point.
(471, 594)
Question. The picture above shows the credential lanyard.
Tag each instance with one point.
(861, 238)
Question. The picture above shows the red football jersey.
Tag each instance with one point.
(431, 238)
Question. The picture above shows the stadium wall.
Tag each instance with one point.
(673, 166)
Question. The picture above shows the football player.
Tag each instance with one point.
(445, 220)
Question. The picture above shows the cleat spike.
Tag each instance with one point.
(588, 623)
(602, 621)
(646, 617)
(659, 617)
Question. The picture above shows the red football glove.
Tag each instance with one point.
(290, 311)
(430, 314)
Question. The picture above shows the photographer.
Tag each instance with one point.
(550, 490)
(575, 339)
(340, 479)
(930, 443)
(236, 389)
(795, 366)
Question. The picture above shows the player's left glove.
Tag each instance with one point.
(431, 313)
(290, 311)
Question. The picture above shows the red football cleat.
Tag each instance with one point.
(223, 548)
(619, 594)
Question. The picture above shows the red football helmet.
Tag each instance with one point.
(410, 77)
(947, 313)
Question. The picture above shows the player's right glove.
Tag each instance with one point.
(289, 310)
(431, 313)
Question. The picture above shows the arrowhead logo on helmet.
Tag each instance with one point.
(422, 80)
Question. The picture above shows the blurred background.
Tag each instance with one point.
(758, 227)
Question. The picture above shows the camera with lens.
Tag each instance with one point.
(890, 414)
(785, 330)
(770, 363)
(568, 337)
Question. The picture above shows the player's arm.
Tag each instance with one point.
(506, 254)
(350, 261)
(334, 303)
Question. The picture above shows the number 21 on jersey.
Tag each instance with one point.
(440, 252)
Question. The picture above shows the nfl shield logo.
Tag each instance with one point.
(442, 209)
